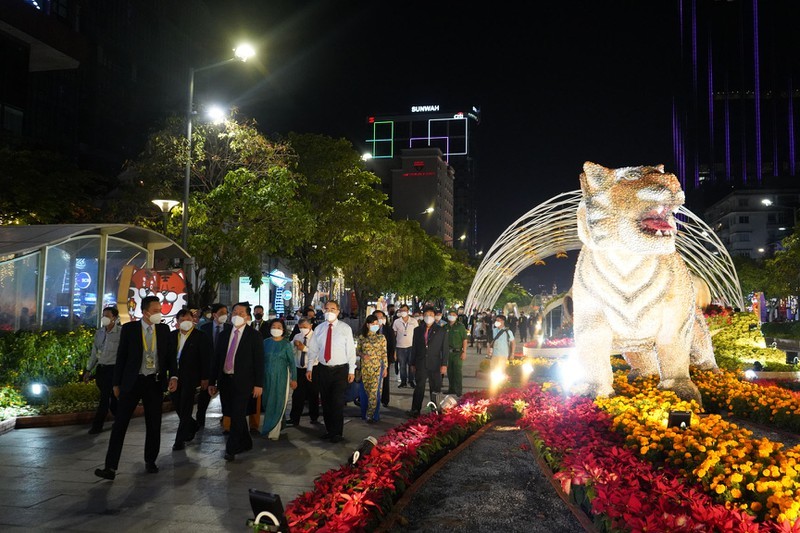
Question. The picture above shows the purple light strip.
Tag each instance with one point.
(675, 154)
(791, 129)
(727, 135)
(757, 90)
(712, 172)
(695, 165)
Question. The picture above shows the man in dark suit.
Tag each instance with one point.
(193, 362)
(213, 330)
(387, 331)
(144, 358)
(429, 351)
(240, 376)
(259, 324)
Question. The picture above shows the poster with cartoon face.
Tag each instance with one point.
(168, 285)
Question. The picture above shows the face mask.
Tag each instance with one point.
(438, 318)
(259, 316)
(276, 332)
(382, 321)
(330, 316)
(208, 316)
(186, 325)
(222, 319)
(105, 321)
(498, 324)
(305, 331)
(451, 318)
(374, 328)
(155, 318)
(237, 321)
(249, 321)
(429, 320)
(271, 316)
(402, 314)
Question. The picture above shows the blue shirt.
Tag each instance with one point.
(500, 346)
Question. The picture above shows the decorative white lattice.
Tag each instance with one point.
(551, 228)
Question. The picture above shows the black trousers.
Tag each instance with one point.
(149, 391)
(235, 401)
(183, 401)
(306, 391)
(385, 389)
(203, 399)
(424, 374)
(332, 384)
(103, 378)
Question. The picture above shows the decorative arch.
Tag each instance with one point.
(551, 229)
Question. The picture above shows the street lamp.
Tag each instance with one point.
(427, 211)
(216, 114)
(242, 53)
(166, 206)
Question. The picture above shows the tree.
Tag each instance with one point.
(514, 292)
(783, 270)
(244, 202)
(43, 187)
(341, 199)
(752, 273)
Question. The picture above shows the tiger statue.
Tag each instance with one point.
(632, 291)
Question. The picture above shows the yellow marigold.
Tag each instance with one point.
(736, 477)
(720, 489)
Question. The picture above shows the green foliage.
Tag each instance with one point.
(11, 397)
(753, 276)
(781, 330)
(43, 187)
(783, 270)
(738, 341)
(54, 358)
(513, 293)
(75, 392)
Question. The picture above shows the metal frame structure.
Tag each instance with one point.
(551, 228)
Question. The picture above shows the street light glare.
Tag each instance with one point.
(366, 156)
(429, 210)
(216, 114)
(244, 51)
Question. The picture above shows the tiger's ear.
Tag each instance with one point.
(594, 176)
(660, 168)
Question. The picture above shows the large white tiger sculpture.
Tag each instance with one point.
(632, 291)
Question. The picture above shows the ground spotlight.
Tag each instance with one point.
(267, 506)
(750, 374)
(569, 372)
(448, 402)
(363, 450)
(679, 419)
(497, 377)
(40, 391)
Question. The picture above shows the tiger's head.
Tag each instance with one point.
(630, 208)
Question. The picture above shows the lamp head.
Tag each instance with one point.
(244, 51)
(165, 205)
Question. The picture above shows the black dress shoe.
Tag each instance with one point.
(325, 436)
(105, 473)
(254, 432)
(229, 457)
(95, 431)
(292, 423)
(315, 422)
(178, 446)
(413, 413)
(151, 468)
(412, 385)
(336, 438)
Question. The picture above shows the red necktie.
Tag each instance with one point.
(328, 343)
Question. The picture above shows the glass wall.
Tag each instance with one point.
(70, 292)
(18, 279)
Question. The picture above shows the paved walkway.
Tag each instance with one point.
(48, 480)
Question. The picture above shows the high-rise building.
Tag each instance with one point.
(392, 141)
(735, 93)
(92, 78)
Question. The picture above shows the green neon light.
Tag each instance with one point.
(375, 139)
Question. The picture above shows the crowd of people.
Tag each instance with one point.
(257, 364)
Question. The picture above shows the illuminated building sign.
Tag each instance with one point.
(417, 174)
(424, 108)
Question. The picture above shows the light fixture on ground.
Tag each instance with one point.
(267, 506)
(242, 53)
(40, 391)
(363, 450)
(679, 419)
(165, 206)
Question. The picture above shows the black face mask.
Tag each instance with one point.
(259, 316)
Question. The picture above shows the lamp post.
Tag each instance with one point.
(165, 206)
(242, 53)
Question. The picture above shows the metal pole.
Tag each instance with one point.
(188, 169)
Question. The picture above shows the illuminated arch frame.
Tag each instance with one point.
(551, 227)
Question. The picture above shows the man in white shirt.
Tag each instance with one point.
(332, 348)
(404, 334)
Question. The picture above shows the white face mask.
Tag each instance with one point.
(382, 321)
(276, 332)
(498, 324)
(271, 316)
(330, 316)
(155, 318)
(186, 325)
(374, 328)
(305, 331)
(439, 318)
(402, 314)
(429, 320)
(222, 319)
(208, 316)
(451, 318)
(105, 321)
(237, 321)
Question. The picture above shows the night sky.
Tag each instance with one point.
(568, 82)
